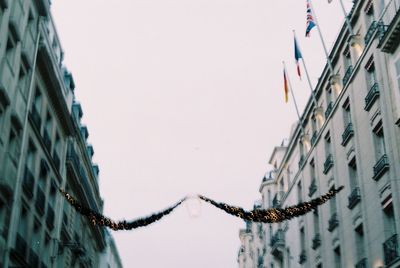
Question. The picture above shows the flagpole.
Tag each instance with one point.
(322, 38)
(346, 18)
(306, 71)
(291, 92)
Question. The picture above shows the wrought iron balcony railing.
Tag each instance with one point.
(371, 97)
(371, 30)
(381, 167)
(347, 134)
(312, 188)
(316, 242)
(347, 75)
(362, 263)
(314, 138)
(329, 109)
(302, 257)
(333, 222)
(354, 198)
(328, 163)
(391, 250)
(301, 161)
(277, 243)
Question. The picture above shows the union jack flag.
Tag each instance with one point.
(310, 19)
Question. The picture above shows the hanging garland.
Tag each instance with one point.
(271, 215)
(101, 220)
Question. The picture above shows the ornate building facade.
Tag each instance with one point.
(349, 134)
(43, 147)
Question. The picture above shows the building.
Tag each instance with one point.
(350, 135)
(43, 147)
(110, 258)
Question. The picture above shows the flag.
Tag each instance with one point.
(310, 19)
(297, 56)
(285, 85)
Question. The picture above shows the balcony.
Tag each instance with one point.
(390, 27)
(370, 33)
(312, 188)
(314, 137)
(40, 201)
(302, 257)
(316, 242)
(333, 222)
(329, 109)
(301, 161)
(50, 217)
(328, 163)
(28, 182)
(28, 47)
(354, 198)
(371, 97)
(391, 250)
(347, 134)
(47, 140)
(278, 244)
(362, 263)
(347, 75)
(381, 167)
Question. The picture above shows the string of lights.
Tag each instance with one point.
(272, 215)
(98, 219)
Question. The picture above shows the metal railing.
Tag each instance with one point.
(316, 242)
(371, 30)
(302, 257)
(354, 197)
(329, 109)
(380, 167)
(312, 188)
(347, 134)
(328, 163)
(391, 250)
(372, 95)
(333, 222)
(347, 75)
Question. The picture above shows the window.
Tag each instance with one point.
(379, 141)
(328, 94)
(316, 221)
(397, 67)
(346, 59)
(37, 103)
(353, 180)
(389, 223)
(346, 113)
(328, 146)
(369, 12)
(371, 75)
(23, 80)
(2, 115)
(332, 205)
(359, 243)
(31, 157)
(14, 143)
(10, 50)
(299, 192)
(337, 257)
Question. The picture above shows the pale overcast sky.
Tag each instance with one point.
(186, 96)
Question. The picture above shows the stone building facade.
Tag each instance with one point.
(43, 147)
(348, 135)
